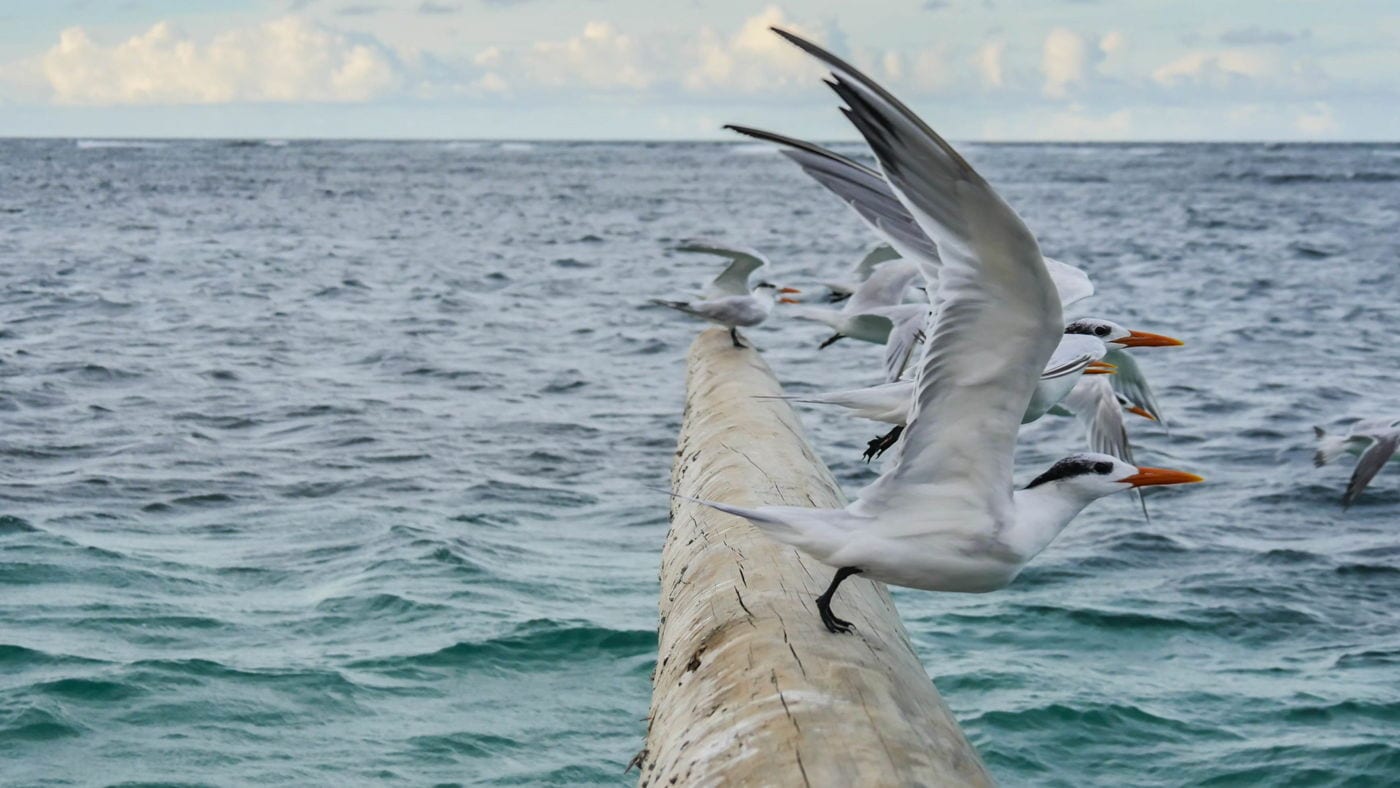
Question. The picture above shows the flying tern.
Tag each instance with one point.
(945, 516)
(880, 252)
(876, 313)
(892, 402)
(1374, 441)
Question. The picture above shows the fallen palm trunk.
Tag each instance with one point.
(750, 688)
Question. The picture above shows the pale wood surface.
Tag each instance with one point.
(750, 688)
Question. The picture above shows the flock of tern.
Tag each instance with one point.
(981, 349)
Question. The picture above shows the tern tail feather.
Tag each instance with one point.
(812, 531)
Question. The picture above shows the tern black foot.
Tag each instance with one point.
(833, 624)
(830, 340)
(877, 446)
(734, 337)
(836, 298)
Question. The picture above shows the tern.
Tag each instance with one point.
(1374, 441)
(876, 313)
(946, 516)
(877, 253)
(730, 302)
(1129, 380)
(892, 402)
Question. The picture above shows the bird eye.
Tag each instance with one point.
(1101, 331)
(1103, 467)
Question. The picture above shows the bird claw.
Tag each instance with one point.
(838, 626)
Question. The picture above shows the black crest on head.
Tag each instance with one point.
(1090, 327)
(765, 284)
(1071, 466)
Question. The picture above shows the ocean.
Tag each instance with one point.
(328, 462)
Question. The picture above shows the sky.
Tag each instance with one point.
(1073, 70)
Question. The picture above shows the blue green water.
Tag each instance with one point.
(327, 463)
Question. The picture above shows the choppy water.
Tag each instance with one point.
(326, 462)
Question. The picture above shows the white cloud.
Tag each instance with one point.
(1217, 68)
(1062, 61)
(988, 61)
(893, 64)
(753, 59)
(931, 71)
(1319, 122)
(284, 60)
(599, 57)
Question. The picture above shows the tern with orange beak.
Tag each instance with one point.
(1129, 381)
(945, 516)
(730, 302)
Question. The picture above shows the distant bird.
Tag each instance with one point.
(730, 302)
(876, 312)
(876, 254)
(891, 403)
(945, 516)
(1374, 441)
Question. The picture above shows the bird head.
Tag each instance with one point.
(1090, 475)
(770, 289)
(1116, 336)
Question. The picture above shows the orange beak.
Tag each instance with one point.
(1100, 368)
(1144, 339)
(788, 301)
(1146, 477)
(1136, 411)
(795, 290)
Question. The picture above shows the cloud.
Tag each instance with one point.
(753, 59)
(1217, 68)
(1319, 122)
(935, 5)
(1248, 36)
(285, 60)
(1063, 59)
(989, 65)
(430, 8)
(359, 10)
(599, 57)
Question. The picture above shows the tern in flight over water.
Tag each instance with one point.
(892, 402)
(946, 516)
(729, 302)
(1374, 441)
(877, 253)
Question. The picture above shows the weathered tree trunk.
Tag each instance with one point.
(750, 688)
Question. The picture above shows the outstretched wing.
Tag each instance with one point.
(735, 279)
(1071, 283)
(1372, 460)
(885, 287)
(904, 339)
(862, 189)
(1130, 381)
(999, 321)
(1094, 403)
(879, 253)
(867, 193)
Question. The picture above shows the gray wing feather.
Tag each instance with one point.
(1372, 460)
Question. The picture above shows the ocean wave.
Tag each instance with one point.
(535, 643)
(117, 144)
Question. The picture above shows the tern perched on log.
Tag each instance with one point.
(730, 302)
